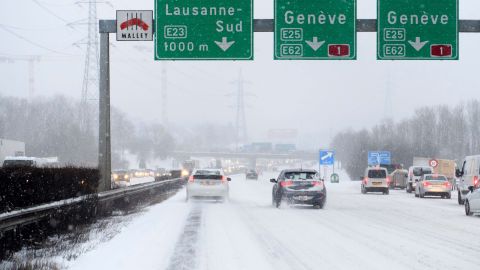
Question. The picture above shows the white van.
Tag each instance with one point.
(414, 175)
(468, 177)
(375, 179)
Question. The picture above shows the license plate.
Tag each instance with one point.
(303, 198)
(377, 183)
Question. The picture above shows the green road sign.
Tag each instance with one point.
(334, 178)
(204, 30)
(315, 30)
(417, 29)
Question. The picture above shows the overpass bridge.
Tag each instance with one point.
(251, 156)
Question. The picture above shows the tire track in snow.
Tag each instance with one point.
(185, 252)
(281, 256)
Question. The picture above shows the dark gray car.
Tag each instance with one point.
(299, 186)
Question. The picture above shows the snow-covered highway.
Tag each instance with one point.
(354, 231)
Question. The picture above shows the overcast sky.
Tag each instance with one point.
(318, 98)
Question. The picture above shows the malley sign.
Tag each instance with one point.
(204, 30)
(417, 29)
(134, 25)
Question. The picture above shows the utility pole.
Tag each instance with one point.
(31, 60)
(91, 69)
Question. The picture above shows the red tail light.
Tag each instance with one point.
(447, 184)
(426, 184)
(365, 180)
(317, 183)
(286, 183)
(190, 179)
(224, 179)
(388, 180)
(475, 181)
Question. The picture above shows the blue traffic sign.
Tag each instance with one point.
(327, 157)
(379, 157)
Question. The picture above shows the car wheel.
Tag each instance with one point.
(460, 201)
(317, 206)
(278, 203)
(387, 191)
(421, 195)
(468, 211)
(448, 196)
(364, 191)
(416, 195)
(409, 188)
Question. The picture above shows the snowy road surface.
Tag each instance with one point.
(354, 231)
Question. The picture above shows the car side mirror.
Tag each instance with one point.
(273, 180)
(458, 173)
(471, 189)
(229, 179)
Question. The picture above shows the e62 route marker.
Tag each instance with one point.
(417, 30)
(315, 30)
(204, 30)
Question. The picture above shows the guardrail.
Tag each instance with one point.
(14, 219)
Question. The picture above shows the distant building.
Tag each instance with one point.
(11, 148)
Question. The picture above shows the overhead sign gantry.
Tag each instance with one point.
(417, 30)
(315, 30)
(204, 30)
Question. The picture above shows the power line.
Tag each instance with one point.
(29, 41)
(49, 11)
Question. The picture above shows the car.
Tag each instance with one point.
(208, 183)
(414, 175)
(375, 179)
(120, 178)
(433, 185)
(161, 174)
(468, 177)
(472, 202)
(251, 174)
(299, 186)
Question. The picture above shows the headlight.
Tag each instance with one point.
(126, 176)
(115, 176)
(184, 173)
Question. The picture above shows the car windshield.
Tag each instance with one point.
(437, 177)
(377, 174)
(207, 172)
(421, 171)
(301, 175)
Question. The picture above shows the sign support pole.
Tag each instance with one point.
(104, 146)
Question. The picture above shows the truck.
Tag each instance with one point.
(441, 166)
(468, 177)
(10, 148)
(22, 161)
